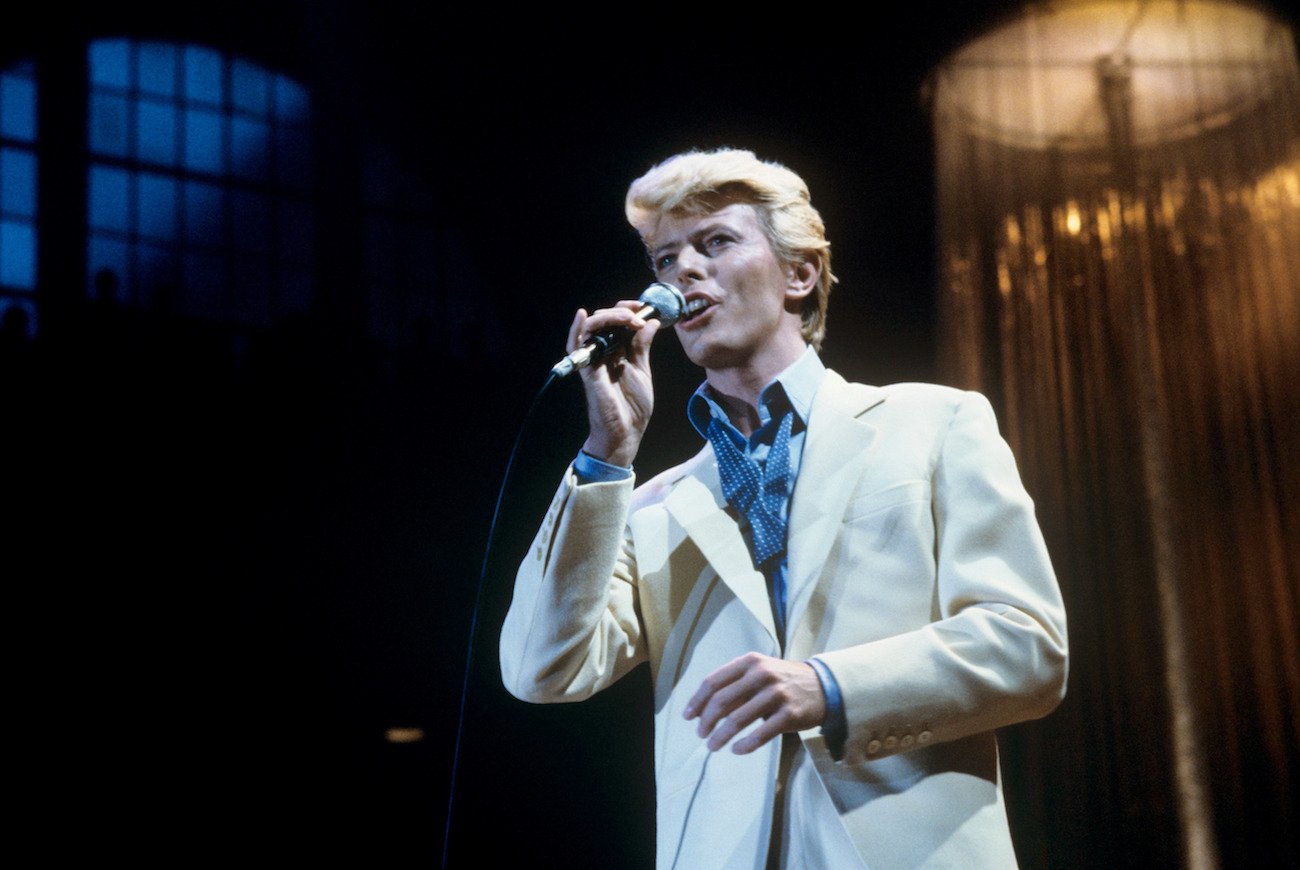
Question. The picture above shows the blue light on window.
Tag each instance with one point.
(109, 123)
(110, 63)
(203, 82)
(251, 144)
(203, 147)
(17, 107)
(196, 193)
(17, 182)
(21, 312)
(17, 255)
(205, 214)
(156, 207)
(107, 255)
(109, 198)
(156, 64)
(290, 100)
(250, 87)
(159, 271)
(156, 132)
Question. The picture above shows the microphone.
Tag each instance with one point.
(660, 301)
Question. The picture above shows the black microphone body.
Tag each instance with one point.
(660, 301)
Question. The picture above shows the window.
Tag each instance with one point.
(199, 183)
(18, 195)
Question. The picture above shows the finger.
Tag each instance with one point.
(720, 677)
(728, 698)
(760, 706)
(610, 318)
(773, 725)
(639, 352)
(575, 330)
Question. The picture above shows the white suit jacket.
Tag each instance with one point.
(917, 573)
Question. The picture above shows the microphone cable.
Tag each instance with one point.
(474, 613)
(662, 301)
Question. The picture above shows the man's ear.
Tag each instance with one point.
(801, 278)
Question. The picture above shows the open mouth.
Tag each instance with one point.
(694, 308)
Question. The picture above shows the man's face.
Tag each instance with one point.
(726, 258)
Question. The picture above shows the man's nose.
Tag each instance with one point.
(691, 265)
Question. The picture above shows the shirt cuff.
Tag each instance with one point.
(834, 726)
(589, 469)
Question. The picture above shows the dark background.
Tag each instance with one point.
(231, 574)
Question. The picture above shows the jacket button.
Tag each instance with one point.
(907, 741)
(873, 747)
(891, 741)
(923, 737)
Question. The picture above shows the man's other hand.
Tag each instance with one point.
(787, 696)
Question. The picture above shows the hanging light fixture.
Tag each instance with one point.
(1119, 201)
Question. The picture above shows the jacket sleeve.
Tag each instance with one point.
(574, 624)
(996, 653)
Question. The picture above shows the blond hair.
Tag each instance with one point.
(701, 182)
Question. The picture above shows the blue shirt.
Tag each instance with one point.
(794, 390)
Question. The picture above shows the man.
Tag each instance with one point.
(840, 597)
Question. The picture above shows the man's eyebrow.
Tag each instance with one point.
(659, 249)
(705, 230)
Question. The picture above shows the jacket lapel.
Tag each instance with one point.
(697, 503)
(835, 454)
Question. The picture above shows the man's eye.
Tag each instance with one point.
(664, 262)
(717, 241)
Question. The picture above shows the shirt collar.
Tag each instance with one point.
(797, 385)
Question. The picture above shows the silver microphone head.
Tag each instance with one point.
(668, 306)
(667, 301)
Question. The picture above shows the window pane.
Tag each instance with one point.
(158, 268)
(109, 63)
(109, 199)
(252, 148)
(250, 86)
(156, 207)
(203, 145)
(156, 132)
(107, 263)
(201, 122)
(18, 108)
(203, 75)
(108, 124)
(157, 66)
(21, 314)
(17, 182)
(290, 101)
(205, 214)
(17, 255)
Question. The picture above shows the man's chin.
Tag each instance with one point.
(709, 354)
